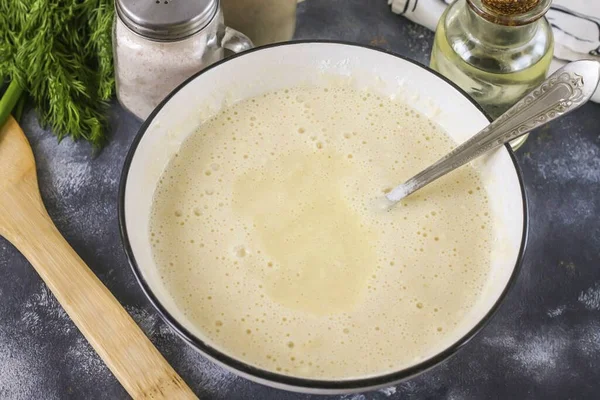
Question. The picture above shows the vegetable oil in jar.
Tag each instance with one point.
(495, 50)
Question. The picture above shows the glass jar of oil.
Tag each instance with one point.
(495, 50)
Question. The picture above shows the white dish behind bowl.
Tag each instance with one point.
(315, 63)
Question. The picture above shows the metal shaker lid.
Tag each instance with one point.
(166, 20)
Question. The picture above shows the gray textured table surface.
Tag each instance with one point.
(543, 343)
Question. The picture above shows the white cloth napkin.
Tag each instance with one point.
(575, 24)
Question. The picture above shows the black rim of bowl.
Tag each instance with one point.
(285, 380)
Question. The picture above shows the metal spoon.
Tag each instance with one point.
(564, 91)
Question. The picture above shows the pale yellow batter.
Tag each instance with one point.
(265, 232)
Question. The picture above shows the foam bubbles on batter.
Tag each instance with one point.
(264, 230)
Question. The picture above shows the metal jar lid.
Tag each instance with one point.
(166, 20)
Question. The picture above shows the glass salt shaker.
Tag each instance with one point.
(495, 50)
(158, 44)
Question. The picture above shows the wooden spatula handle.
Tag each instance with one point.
(131, 357)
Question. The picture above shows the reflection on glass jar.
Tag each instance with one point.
(263, 21)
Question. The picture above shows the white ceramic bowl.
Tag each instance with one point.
(317, 63)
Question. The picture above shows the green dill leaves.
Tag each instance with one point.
(60, 53)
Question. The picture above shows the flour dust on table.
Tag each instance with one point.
(20, 375)
(265, 234)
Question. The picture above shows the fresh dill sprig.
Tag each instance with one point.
(60, 53)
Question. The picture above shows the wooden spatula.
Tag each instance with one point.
(131, 357)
